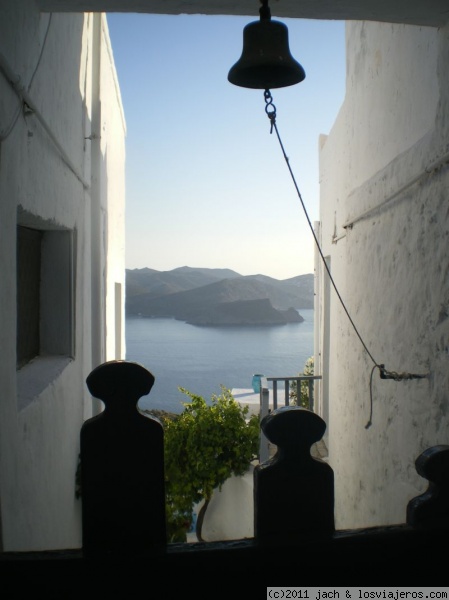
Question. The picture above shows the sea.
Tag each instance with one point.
(202, 359)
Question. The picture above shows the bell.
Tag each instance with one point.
(266, 61)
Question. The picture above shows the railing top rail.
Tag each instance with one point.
(293, 377)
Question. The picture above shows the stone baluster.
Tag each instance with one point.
(122, 474)
(122, 466)
(293, 491)
(431, 509)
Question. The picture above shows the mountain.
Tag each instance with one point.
(217, 296)
(160, 283)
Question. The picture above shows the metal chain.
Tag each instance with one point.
(270, 108)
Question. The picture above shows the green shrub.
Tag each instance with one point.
(304, 387)
(204, 446)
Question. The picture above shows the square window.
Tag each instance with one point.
(45, 305)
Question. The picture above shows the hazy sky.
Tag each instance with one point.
(206, 183)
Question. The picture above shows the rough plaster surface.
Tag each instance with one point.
(384, 171)
(421, 12)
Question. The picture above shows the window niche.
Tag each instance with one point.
(45, 304)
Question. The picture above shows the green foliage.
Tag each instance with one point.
(204, 446)
(304, 386)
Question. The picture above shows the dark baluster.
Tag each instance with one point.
(311, 406)
(293, 491)
(432, 507)
(122, 466)
(287, 392)
(275, 395)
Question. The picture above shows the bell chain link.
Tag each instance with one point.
(270, 108)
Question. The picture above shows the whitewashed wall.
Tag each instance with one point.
(385, 232)
(230, 514)
(64, 64)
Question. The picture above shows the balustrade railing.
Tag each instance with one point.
(124, 551)
(287, 393)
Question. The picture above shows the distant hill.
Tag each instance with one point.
(217, 296)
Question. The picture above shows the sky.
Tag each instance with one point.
(207, 184)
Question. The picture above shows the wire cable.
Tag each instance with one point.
(369, 422)
(270, 110)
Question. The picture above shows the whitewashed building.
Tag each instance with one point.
(384, 232)
(62, 192)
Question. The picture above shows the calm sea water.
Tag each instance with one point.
(200, 359)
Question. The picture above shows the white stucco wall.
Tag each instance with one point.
(385, 229)
(53, 175)
(230, 514)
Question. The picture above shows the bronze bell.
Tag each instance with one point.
(266, 61)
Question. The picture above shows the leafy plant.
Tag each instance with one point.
(204, 446)
(304, 399)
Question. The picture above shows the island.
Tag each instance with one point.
(245, 312)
